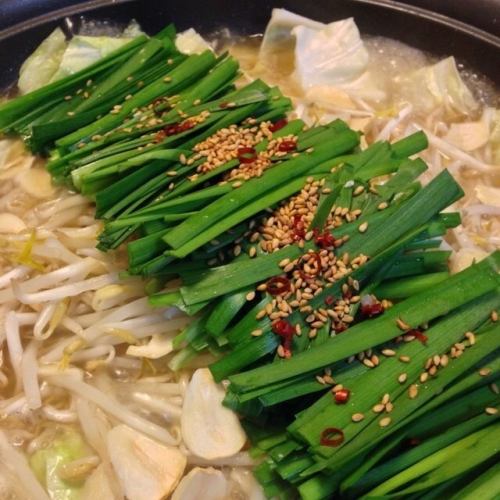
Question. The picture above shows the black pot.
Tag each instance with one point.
(24, 23)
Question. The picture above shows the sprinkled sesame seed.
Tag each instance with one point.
(281, 351)
(257, 333)
(494, 316)
(358, 190)
(237, 250)
(320, 379)
(436, 359)
(250, 295)
(404, 359)
(423, 377)
(363, 227)
(378, 408)
(171, 173)
(413, 391)
(471, 338)
(490, 410)
(167, 79)
(402, 378)
(357, 417)
(68, 98)
(402, 325)
(260, 314)
(384, 422)
(388, 352)
(386, 398)
(484, 372)
(494, 388)
(383, 205)
(368, 362)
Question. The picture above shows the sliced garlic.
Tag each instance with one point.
(36, 182)
(147, 470)
(468, 136)
(209, 484)
(247, 483)
(11, 224)
(209, 429)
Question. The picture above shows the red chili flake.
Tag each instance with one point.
(324, 239)
(287, 146)
(331, 437)
(159, 136)
(299, 228)
(329, 300)
(283, 328)
(177, 128)
(371, 310)
(278, 125)
(342, 396)
(347, 295)
(278, 285)
(247, 155)
(340, 327)
(286, 331)
(413, 442)
(418, 335)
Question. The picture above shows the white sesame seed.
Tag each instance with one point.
(363, 227)
(484, 372)
(490, 410)
(357, 417)
(413, 391)
(402, 378)
(388, 352)
(384, 422)
(257, 333)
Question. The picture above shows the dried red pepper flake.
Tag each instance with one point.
(247, 155)
(159, 136)
(299, 228)
(418, 335)
(371, 310)
(347, 295)
(283, 328)
(288, 145)
(413, 442)
(331, 436)
(177, 128)
(278, 285)
(323, 239)
(274, 127)
(340, 327)
(342, 396)
(329, 300)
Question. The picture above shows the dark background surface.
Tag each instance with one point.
(24, 23)
(484, 14)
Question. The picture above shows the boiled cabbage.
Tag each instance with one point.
(324, 54)
(439, 84)
(43, 64)
(191, 42)
(56, 58)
